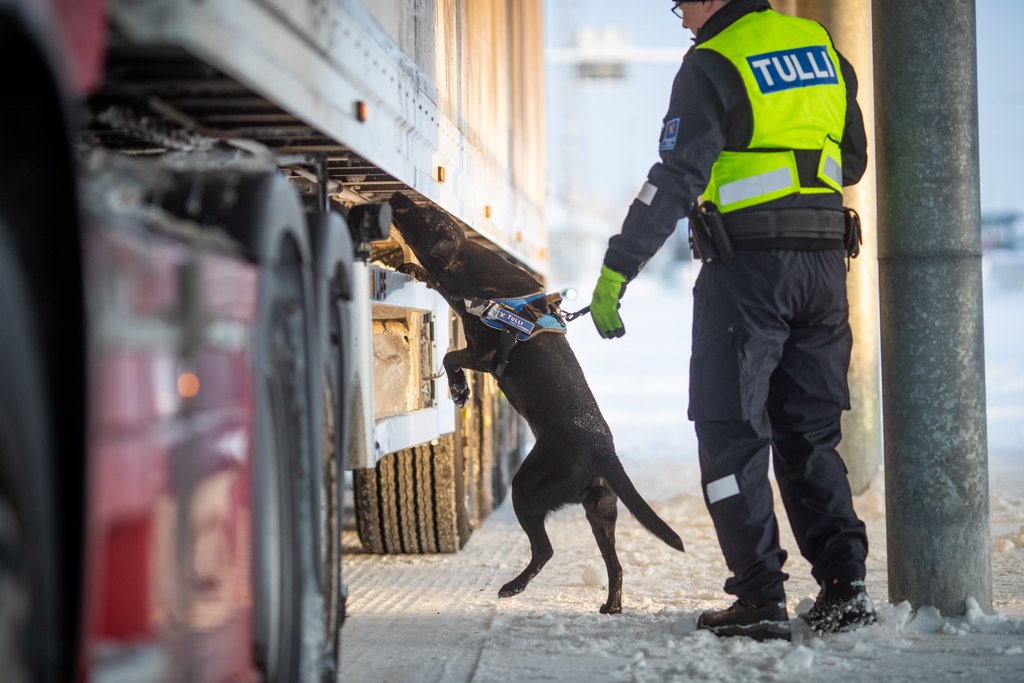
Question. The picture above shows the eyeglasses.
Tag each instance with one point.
(677, 9)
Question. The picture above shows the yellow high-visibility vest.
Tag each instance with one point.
(791, 73)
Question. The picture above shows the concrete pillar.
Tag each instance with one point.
(786, 7)
(849, 23)
(933, 365)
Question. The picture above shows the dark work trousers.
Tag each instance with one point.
(771, 348)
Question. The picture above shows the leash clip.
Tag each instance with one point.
(569, 317)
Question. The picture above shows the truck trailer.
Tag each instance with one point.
(202, 325)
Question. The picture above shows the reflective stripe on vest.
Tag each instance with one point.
(797, 94)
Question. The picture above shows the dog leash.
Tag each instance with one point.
(569, 317)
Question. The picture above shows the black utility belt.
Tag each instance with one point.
(810, 223)
(715, 237)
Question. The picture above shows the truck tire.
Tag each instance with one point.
(263, 212)
(283, 523)
(30, 589)
(332, 253)
(430, 498)
(331, 522)
(410, 502)
(290, 631)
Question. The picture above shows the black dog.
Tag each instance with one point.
(573, 460)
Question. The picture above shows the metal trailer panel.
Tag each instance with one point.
(370, 440)
(453, 90)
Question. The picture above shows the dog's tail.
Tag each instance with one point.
(623, 487)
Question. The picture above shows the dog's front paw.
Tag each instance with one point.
(610, 608)
(414, 270)
(460, 393)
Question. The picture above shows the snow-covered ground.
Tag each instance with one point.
(438, 618)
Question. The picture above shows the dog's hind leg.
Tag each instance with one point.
(536, 491)
(541, 551)
(602, 512)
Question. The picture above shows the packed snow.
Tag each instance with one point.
(438, 618)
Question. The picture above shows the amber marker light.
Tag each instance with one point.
(361, 111)
(188, 384)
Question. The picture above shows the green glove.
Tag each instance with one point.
(604, 305)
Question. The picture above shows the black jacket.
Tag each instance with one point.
(711, 103)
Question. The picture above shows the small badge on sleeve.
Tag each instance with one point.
(669, 135)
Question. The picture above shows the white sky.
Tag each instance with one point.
(1000, 103)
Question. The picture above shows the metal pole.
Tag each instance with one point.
(849, 23)
(933, 364)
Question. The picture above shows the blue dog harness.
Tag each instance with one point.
(519, 318)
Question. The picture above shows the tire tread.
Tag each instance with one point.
(407, 503)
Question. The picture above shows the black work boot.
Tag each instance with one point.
(840, 606)
(760, 620)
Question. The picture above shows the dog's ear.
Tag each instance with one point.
(444, 250)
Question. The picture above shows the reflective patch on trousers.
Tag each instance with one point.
(723, 488)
